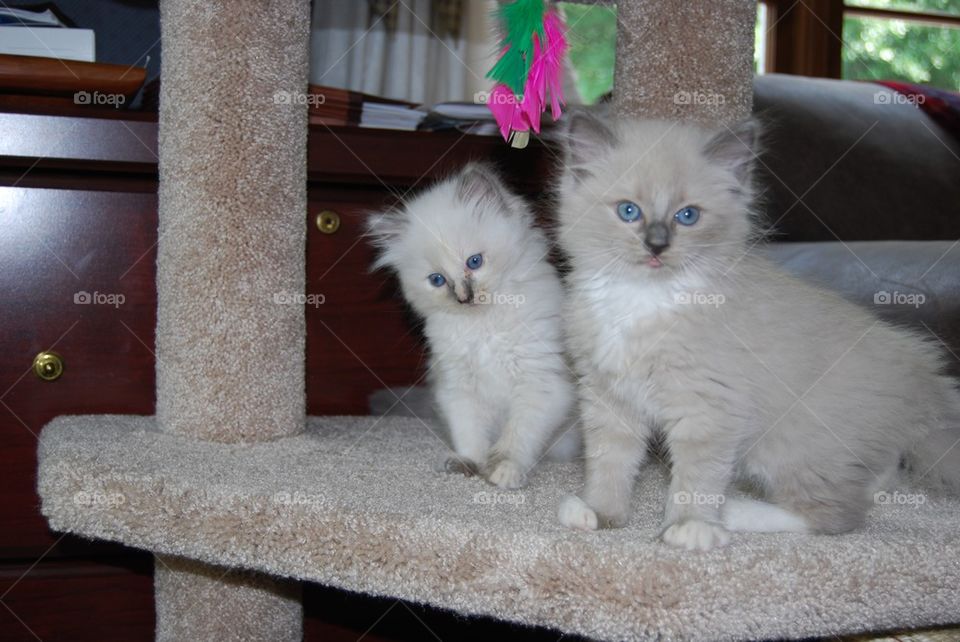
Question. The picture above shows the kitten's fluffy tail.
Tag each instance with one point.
(935, 460)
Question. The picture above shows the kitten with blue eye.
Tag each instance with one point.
(472, 264)
(678, 330)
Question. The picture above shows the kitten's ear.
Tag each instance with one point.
(383, 231)
(480, 182)
(734, 148)
(587, 137)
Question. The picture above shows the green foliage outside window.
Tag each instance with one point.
(873, 49)
(592, 34)
(881, 49)
(951, 7)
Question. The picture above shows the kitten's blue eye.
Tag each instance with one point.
(628, 211)
(475, 261)
(687, 216)
(436, 279)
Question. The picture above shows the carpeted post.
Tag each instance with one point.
(684, 60)
(230, 353)
(197, 601)
(230, 342)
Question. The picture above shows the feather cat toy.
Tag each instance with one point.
(529, 69)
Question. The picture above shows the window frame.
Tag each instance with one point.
(805, 37)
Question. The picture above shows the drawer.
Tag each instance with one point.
(77, 271)
(360, 335)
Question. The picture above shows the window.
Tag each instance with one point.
(910, 40)
(592, 37)
(915, 41)
(761, 41)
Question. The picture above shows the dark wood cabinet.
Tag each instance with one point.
(77, 275)
(359, 338)
(78, 234)
(109, 599)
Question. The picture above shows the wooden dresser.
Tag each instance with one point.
(78, 234)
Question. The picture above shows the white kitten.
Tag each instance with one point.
(473, 266)
(747, 373)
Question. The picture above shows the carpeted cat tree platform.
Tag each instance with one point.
(240, 497)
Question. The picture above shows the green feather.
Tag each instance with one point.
(519, 21)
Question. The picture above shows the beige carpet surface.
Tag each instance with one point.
(355, 503)
(669, 66)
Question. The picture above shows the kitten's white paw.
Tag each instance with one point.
(508, 475)
(574, 513)
(694, 535)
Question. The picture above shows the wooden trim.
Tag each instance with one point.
(357, 156)
(808, 37)
(344, 155)
(51, 76)
(50, 141)
(933, 18)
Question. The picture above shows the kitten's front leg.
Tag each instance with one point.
(702, 466)
(536, 410)
(469, 433)
(615, 447)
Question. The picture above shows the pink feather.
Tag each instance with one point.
(544, 78)
(506, 110)
(553, 65)
(535, 88)
(546, 71)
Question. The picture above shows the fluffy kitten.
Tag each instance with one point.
(678, 330)
(473, 266)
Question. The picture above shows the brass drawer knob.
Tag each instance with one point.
(48, 365)
(328, 221)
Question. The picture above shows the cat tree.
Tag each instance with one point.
(240, 497)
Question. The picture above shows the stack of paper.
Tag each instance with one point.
(387, 116)
(43, 34)
(26, 18)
